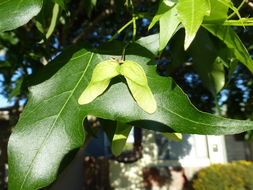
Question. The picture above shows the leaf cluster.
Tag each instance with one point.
(44, 55)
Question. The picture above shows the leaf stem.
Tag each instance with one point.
(239, 7)
(134, 27)
(121, 29)
(241, 22)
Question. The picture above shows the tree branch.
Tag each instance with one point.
(97, 20)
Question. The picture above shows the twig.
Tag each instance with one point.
(121, 29)
(93, 24)
(239, 7)
(134, 28)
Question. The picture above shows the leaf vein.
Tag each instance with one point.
(53, 125)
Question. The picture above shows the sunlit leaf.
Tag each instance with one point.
(173, 136)
(218, 12)
(229, 4)
(150, 42)
(163, 8)
(167, 17)
(191, 13)
(168, 26)
(120, 137)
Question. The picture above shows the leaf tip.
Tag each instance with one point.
(83, 99)
(188, 41)
(151, 107)
(178, 137)
(150, 26)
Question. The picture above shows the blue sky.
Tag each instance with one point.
(3, 101)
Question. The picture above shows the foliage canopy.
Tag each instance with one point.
(199, 32)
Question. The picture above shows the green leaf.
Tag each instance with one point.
(51, 124)
(241, 22)
(162, 9)
(167, 17)
(10, 37)
(207, 63)
(230, 38)
(218, 12)
(55, 15)
(101, 77)
(61, 3)
(44, 16)
(168, 26)
(191, 13)
(54, 19)
(15, 13)
(138, 84)
(120, 137)
(16, 90)
(150, 42)
(173, 136)
(178, 55)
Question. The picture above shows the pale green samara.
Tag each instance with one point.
(135, 77)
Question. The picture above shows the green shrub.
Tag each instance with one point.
(236, 175)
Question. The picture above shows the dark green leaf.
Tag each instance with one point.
(10, 37)
(15, 13)
(17, 89)
(230, 38)
(178, 55)
(207, 63)
(51, 124)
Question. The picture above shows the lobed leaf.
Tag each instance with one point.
(51, 124)
(191, 13)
